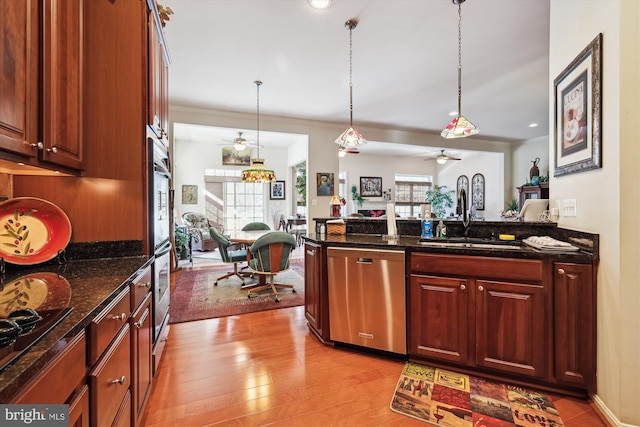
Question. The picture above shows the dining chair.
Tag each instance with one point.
(230, 254)
(256, 226)
(270, 255)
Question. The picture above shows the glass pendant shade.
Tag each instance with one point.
(441, 160)
(239, 147)
(350, 138)
(459, 128)
(258, 173)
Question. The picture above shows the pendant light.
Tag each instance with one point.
(350, 138)
(257, 172)
(459, 126)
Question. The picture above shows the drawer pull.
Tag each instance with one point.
(560, 271)
(364, 261)
(39, 145)
(165, 339)
(52, 150)
(144, 285)
(463, 287)
(120, 317)
(311, 252)
(480, 288)
(120, 380)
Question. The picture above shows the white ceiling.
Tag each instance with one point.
(404, 62)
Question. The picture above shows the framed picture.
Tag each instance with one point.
(462, 183)
(324, 184)
(189, 194)
(276, 190)
(371, 186)
(233, 157)
(578, 112)
(477, 191)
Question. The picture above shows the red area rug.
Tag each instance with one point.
(194, 297)
(447, 398)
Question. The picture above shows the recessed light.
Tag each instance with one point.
(533, 125)
(320, 4)
(453, 113)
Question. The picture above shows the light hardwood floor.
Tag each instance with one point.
(266, 368)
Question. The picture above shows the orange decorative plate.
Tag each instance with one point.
(32, 230)
(39, 291)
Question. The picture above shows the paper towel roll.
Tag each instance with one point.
(391, 220)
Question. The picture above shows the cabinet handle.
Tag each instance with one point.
(120, 317)
(560, 271)
(138, 325)
(120, 380)
(52, 150)
(364, 261)
(311, 252)
(144, 285)
(165, 339)
(38, 145)
(463, 287)
(480, 288)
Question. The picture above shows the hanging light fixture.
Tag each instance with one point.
(459, 126)
(257, 172)
(350, 138)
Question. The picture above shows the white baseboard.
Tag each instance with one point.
(613, 420)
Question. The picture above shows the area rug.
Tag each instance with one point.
(447, 398)
(194, 297)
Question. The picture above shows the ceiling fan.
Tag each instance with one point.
(240, 143)
(442, 158)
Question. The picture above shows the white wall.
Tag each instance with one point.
(608, 198)
(524, 153)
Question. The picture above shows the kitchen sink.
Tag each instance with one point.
(471, 242)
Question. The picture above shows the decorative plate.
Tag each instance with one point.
(39, 291)
(32, 230)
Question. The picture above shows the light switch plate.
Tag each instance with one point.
(569, 208)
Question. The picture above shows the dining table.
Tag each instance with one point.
(293, 221)
(247, 238)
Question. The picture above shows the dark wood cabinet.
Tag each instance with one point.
(158, 117)
(438, 313)
(574, 310)
(533, 192)
(141, 358)
(42, 80)
(314, 301)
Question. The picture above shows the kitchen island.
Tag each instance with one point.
(498, 309)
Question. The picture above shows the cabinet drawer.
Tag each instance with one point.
(140, 287)
(60, 378)
(110, 380)
(106, 325)
(478, 266)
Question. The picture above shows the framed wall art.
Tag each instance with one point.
(477, 191)
(371, 186)
(276, 190)
(324, 184)
(189, 194)
(233, 157)
(462, 183)
(578, 112)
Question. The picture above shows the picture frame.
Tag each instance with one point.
(233, 157)
(324, 184)
(189, 194)
(371, 186)
(477, 191)
(462, 183)
(277, 190)
(578, 112)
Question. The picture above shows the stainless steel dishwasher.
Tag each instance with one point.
(367, 304)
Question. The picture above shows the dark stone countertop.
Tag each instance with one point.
(94, 283)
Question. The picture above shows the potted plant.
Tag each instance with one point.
(441, 199)
(356, 196)
(181, 239)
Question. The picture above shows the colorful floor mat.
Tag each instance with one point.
(447, 398)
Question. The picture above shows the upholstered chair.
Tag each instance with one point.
(270, 255)
(198, 226)
(229, 253)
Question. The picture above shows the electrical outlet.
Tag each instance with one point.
(314, 202)
(569, 208)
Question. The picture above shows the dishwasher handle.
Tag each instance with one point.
(364, 261)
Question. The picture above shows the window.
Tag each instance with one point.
(410, 192)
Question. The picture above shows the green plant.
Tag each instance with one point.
(301, 183)
(181, 239)
(440, 198)
(356, 196)
(512, 205)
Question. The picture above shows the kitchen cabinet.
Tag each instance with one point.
(315, 296)
(574, 310)
(141, 358)
(41, 79)
(484, 312)
(158, 117)
(533, 192)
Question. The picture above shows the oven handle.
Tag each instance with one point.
(161, 169)
(163, 250)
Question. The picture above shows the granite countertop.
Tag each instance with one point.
(93, 283)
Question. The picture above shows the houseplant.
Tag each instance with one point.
(355, 196)
(440, 198)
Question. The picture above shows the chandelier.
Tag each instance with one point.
(258, 173)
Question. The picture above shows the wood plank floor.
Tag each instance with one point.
(266, 368)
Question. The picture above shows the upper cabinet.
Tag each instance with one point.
(41, 112)
(158, 119)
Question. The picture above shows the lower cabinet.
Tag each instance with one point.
(141, 358)
(313, 297)
(79, 408)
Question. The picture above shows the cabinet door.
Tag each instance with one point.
(511, 320)
(19, 76)
(438, 318)
(312, 284)
(575, 331)
(141, 358)
(158, 80)
(62, 83)
(79, 408)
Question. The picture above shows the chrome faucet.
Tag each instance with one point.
(461, 209)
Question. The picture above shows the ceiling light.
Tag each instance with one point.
(350, 137)
(459, 126)
(441, 160)
(239, 143)
(533, 125)
(257, 172)
(319, 4)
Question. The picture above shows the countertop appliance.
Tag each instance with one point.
(367, 298)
